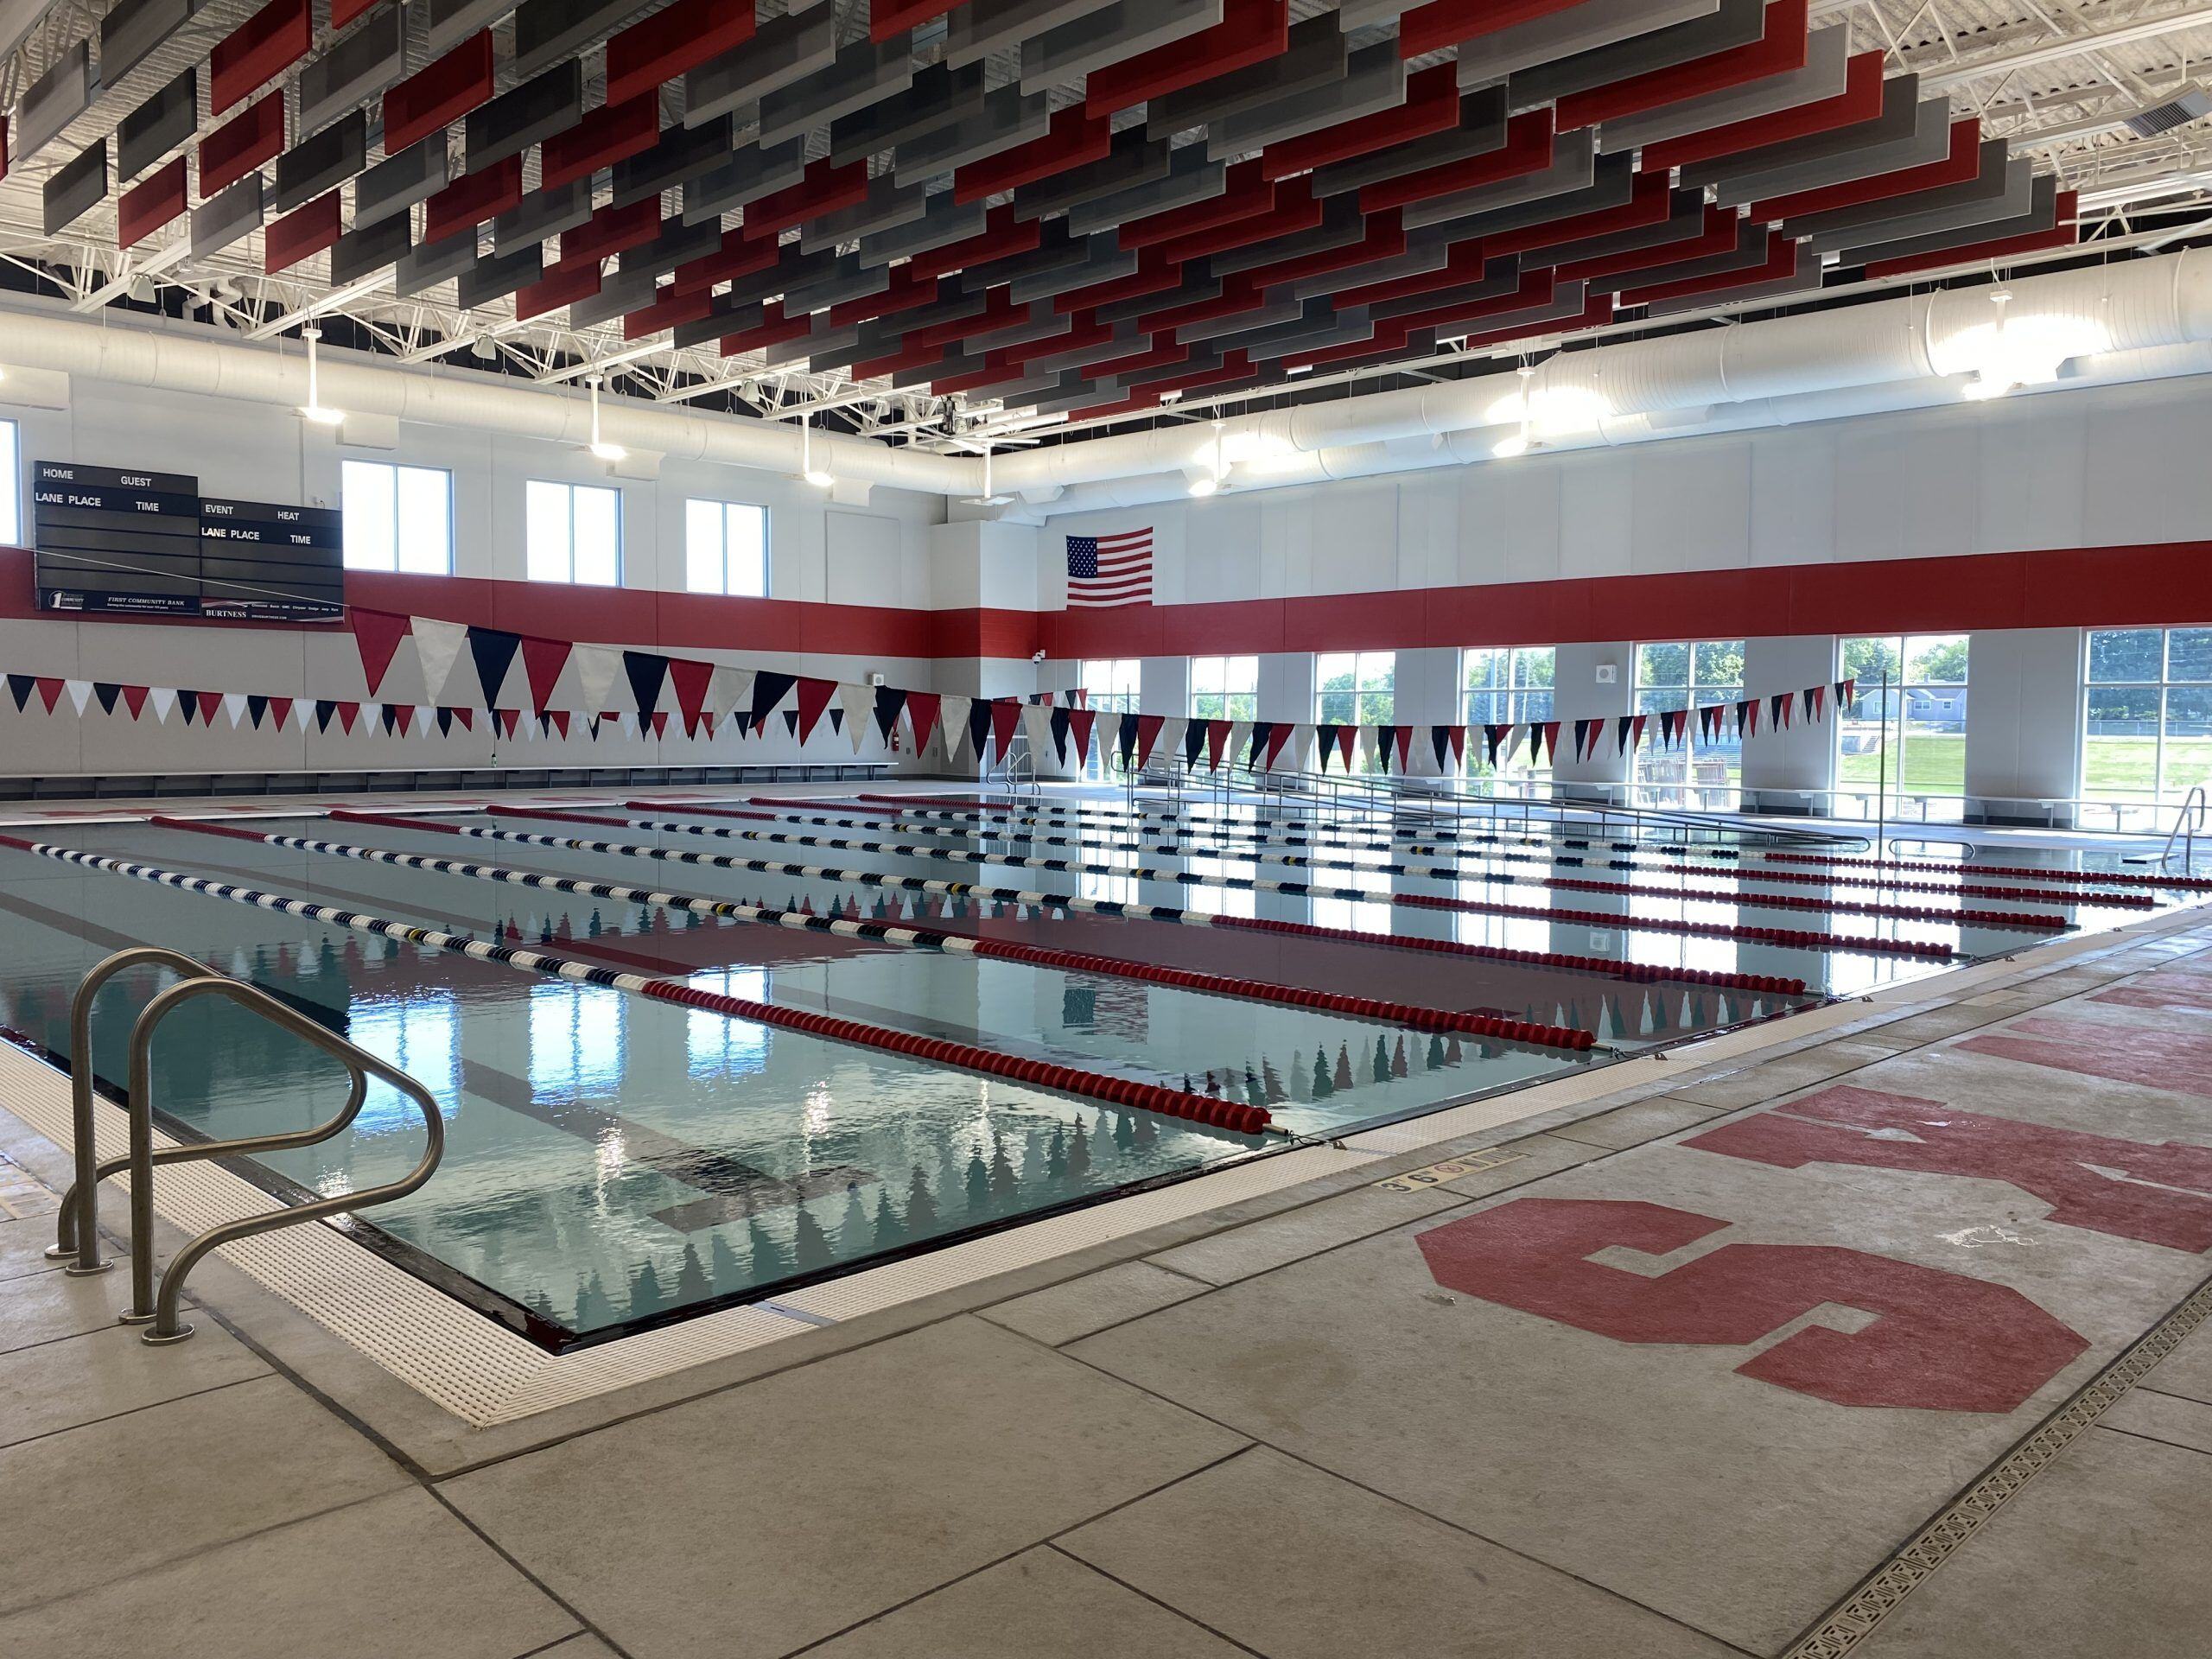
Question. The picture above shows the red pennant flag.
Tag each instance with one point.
(1636, 731)
(660, 722)
(282, 708)
(542, 662)
(1279, 740)
(377, 634)
(560, 720)
(1080, 722)
(134, 699)
(403, 715)
(1006, 714)
(689, 680)
(347, 714)
(1403, 737)
(813, 697)
(1347, 736)
(1550, 742)
(209, 702)
(1216, 743)
(507, 720)
(466, 717)
(1148, 729)
(922, 708)
(1458, 747)
(49, 691)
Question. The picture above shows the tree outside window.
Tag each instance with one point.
(1224, 688)
(1687, 675)
(1506, 685)
(2146, 720)
(1909, 747)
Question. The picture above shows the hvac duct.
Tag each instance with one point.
(173, 359)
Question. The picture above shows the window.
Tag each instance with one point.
(1506, 686)
(11, 487)
(1112, 687)
(1689, 675)
(2146, 719)
(396, 517)
(575, 533)
(1911, 749)
(1356, 687)
(726, 548)
(1224, 688)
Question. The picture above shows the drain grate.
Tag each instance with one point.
(1855, 1618)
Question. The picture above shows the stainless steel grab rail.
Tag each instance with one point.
(2184, 831)
(80, 1206)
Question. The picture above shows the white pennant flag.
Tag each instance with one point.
(1297, 754)
(162, 698)
(1363, 748)
(80, 692)
(1168, 746)
(952, 718)
(859, 703)
(234, 706)
(1037, 720)
(595, 671)
(1240, 740)
(440, 643)
(729, 690)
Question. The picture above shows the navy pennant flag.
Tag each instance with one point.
(1109, 570)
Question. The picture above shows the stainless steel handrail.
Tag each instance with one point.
(161, 1310)
(2184, 830)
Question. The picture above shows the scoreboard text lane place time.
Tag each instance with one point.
(148, 543)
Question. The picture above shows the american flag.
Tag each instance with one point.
(1110, 569)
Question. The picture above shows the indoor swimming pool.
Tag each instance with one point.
(614, 1160)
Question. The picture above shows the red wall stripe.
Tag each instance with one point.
(2156, 583)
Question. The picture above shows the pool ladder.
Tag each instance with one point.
(77, 1238)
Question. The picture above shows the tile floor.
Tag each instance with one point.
(1659, 1380)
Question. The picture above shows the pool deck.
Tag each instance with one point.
(1877, 1340)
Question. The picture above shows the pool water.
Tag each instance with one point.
(613, 1160)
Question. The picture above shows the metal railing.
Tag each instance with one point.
(77, 1228)
(2186, 824)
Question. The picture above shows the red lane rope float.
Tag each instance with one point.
(2075, 878)
(909, 936)
(1702, 930)
(1741, 899)
(1642, 972)
(1241, 1119)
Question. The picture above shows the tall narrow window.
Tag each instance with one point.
(1506, 685)
(1356, 687)
(11, 487)
(396, 517)
(1689, 675)
(575, 533)
(726, 548)
(1905, 753)
(1224, 688)
(2146, 720)
(1111, 686)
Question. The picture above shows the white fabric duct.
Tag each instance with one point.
(110, 348)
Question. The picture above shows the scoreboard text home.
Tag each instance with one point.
(151, 544)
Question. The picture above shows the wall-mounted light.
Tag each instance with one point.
(822, 478)
(600, 446)
(313, 408)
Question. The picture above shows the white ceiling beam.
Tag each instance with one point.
(2010, 60)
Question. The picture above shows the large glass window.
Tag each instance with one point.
(1904, 754)
(1110, 686)
(1506, 685)
(726, 548)
(2146, 719)
(396, 517)
(575, 533)
(1224, 688)
(1356, 687)
(1687, 675)
(11, 487)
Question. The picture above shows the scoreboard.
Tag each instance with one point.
(150, 544)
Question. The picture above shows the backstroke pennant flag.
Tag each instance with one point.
(1109, 570)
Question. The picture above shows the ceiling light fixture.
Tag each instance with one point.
(313, 408)
(600, 446)
(821, 477)
(1206, 483)
(1521, 442)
